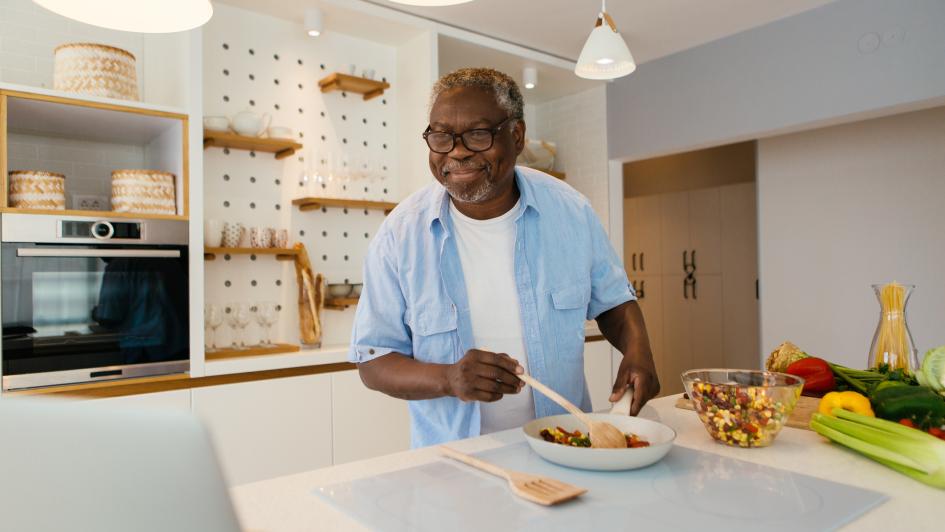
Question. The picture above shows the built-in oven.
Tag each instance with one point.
(87, 299)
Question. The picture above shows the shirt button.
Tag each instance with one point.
(370, 351)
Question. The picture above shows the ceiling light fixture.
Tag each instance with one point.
(142, 16)
(530, 77)
(605, 54)
(313, 21)
(430, 3)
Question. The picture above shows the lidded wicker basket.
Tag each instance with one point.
(95, 70)
(144, 191)
(36, 189)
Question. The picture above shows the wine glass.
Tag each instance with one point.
(267, 313)
(231, 311)
(243, 316)
(212, 318)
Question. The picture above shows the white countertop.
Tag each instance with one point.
(288, 503)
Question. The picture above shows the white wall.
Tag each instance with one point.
(844, 207)
(787, 75)
(577, 124)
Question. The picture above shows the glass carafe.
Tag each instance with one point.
(892, 342)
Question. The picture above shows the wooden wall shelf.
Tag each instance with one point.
(95, 214)
(340, 303)
(274, 349)
(311, 204)
(559, 175)
(220, 139)
(343, 82)
(280, 253)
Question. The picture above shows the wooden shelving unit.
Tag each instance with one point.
(311, 204)
(95, 214)
(340, 303)
(343, 82)
(274, 349)
(220, 139)
(280, 253)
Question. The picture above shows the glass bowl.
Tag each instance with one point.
(740, 407)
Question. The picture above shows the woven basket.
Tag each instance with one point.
(34, 189)
(143, 191)
(95, 70)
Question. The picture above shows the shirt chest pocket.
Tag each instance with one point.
(568, 316)
(435, 335)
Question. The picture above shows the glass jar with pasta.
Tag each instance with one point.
(892, 343)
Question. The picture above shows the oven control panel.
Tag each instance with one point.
(100, 230)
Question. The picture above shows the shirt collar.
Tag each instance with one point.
(440, 206)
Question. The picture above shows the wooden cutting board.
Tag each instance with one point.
(800, 417)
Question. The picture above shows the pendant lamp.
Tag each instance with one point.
(142, 16)
(605, 54)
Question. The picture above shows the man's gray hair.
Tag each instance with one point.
(501, 85)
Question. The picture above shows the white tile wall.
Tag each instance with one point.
(577, 124)
(29, 34)
(87, 165)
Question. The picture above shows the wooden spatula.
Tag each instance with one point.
(603, 435)
(538, 489)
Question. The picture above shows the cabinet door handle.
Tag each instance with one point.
(693, 260)
(634, 262)
(685, 288)
(642, 293)
(642, 267)
(757, 290)
(694, 287)
(685, 260)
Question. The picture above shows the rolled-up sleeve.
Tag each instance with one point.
(379, 326)
(609, 283)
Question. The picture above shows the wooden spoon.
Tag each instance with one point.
(603, 435)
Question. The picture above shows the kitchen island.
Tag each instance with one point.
(289, 503)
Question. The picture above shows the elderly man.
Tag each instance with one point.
(489, 273)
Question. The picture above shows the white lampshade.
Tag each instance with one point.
(530, 77)
(142, 16)
(313, 21)
(605, 54)
(430, 3)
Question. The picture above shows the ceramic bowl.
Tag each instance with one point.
(279, 132)
(659, 435)
(339, 289)
(216, 123)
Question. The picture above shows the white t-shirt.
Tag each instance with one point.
(487, 254)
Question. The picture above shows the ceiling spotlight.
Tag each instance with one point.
(142, 16)
(313, 21)
(605, 54)
(530, 77)
(430, 3)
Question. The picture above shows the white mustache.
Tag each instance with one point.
(450, 167)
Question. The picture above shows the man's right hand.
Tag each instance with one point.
(484, 376)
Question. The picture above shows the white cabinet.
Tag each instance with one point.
(178, 400)
(268, 428)
(642, 236)
(365, 423)
(598, 374)
(649, 289)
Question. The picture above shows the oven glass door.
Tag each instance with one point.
(71, 307)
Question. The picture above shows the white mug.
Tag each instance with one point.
(280, 132)
(212, 233)
(216, 123)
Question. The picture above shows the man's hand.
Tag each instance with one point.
(484, 376)
(637, 371)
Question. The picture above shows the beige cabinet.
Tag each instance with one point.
(264, 429)
(642, 236)
(365, 423)
(700, 306)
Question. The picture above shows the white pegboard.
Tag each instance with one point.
(269, 65)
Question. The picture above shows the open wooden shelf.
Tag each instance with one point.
(340, 303)
(95, 214)
(274, 349)
(559, 175)
(312, 204)
(221, 139)
(343, 82)
(280, 253)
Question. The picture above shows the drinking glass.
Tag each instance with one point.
(243, 316)
(266, 315)
(231, 310)
(212, 318)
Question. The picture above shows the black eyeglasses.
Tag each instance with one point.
(478, 139)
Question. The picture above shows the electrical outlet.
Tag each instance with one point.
(90, 203)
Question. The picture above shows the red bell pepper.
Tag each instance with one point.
(817, 374)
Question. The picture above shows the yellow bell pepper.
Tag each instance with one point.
(852, 401)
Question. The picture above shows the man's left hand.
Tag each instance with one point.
(637, 371)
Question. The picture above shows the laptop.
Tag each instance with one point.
(81, 465)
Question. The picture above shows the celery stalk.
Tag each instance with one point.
(909, 451)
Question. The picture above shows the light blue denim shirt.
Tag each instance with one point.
(414, 299)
